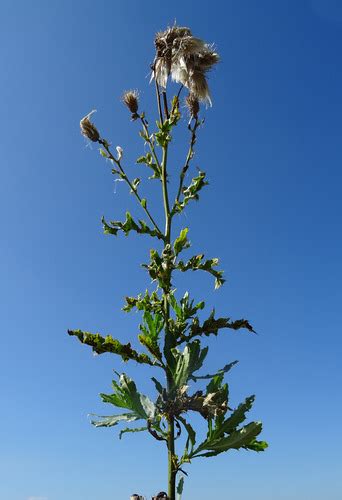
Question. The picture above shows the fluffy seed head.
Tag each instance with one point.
(192, 104)
(88, 129)
(198, 86)
(131, 100)
(207, 59)
(185, 58)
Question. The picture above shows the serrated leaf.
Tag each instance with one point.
(191, 192)
(148, 302)
(185, 309)
(196, 263)
(148, 161)
(174, 304)
(151, 327)
(223, 370)
(180, 487)
(125, 395)
(257, 446)
(101, 345)
(212, 325)
(236, 418)
(187, 362)
(191, 434)
(158, 385)
(134, 429)
(129, 225)
(110, 421)
(148, 406)
(135, 184)
(181, 242)
(240, 438)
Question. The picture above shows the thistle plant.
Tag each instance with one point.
(171, 330)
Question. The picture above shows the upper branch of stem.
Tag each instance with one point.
(126, 179)
(149, 141)
(189, 157)
(158, 102)
(166, 195)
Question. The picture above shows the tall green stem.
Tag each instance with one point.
(171, 466)
(171, 427)
(166, 197)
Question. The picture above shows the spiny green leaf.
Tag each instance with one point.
(159, 266)
(135, 184)
(145, 136)
(236, 418)
(187, 362)
(151, 327)
(163, 137)
(129, 429)
(108, 344)
(181, 242)
(125, 395)
(240, 438)
(191, 434)
(223, 370)
(110, 421)
(212, 326)
(180, 487)
(148, 160)
(158, 385)
(147, 302)
(103, 153)
(196, 263)
(191, 192)
(130, 225)
(151, 345)
(174, 304)
(186, 308)
(257, 446)
(153, 324)
(175, 113)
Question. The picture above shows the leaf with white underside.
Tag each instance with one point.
(126, 396)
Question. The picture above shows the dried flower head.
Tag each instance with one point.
(186, 58)
(88, 129)
(131, 100)
(192, 104)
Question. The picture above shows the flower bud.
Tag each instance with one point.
(88, 129)
(131, 100)
(192, 105)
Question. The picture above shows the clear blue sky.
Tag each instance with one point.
(272, 148)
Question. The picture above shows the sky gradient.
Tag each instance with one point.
(271, 146)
